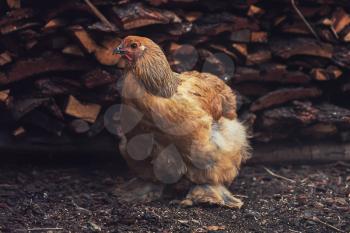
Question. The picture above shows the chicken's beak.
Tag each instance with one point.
(119, 50)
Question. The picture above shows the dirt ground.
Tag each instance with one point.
(60, 197)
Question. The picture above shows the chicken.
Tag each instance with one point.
(177, 128)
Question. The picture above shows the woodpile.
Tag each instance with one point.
(288, 61)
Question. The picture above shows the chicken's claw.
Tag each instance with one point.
(213, 195)
(137, 190)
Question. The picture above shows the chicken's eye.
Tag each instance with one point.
(133, 45)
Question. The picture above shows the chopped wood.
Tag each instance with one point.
(100, 15)
(258, 57)
(4, 96)
(300, 46)
(56, 86)
(14, 4)
(23, 106)
(302, 17)
(275, 72)
(20, 131)
(306, 151)
(212, 29)
(328, 22)
(246, 74)
(224, 50)
(271, 72)
(101, 27)
(255, 11)
(182, 57)
(105, 95)
(5, 58)
(340, 20)
(297, 27)
(279, 20)
(305, 114)
(84, 38)
(79, 126)
(59, 42)
(241, 49)
(330, 113)
(180, 29)
(240, 23)
(284, 95)
(346, 38)
(272, 56)
(55, 23)
(320, 130)
(16, 15)
(47, 63)
(54, 109)
(99, 77)
(104, 53)
(97, 127)
(252, 89)
(137, 15)
(241, 36)
(17, 26)
(45, 122)
(341, 56)
(298, 114)
(216, 64)
(157, 2)
(296, 77)
(64, 7)
(73, 50)
(193, 16)
(86, 111)
(330, 73)
(174, 47)
(315, 11)
(259, 37)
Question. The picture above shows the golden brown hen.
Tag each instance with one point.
(177, 127)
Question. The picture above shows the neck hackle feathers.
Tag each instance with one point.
(153, 71)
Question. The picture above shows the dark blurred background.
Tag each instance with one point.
(288, 62)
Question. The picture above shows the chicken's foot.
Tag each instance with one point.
(213, 195)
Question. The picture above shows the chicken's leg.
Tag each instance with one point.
(137, 190)
(211, 194)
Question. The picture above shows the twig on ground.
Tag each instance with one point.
(316, 219)
(45, 229)
(243, 196)
(80, 208)
(295, 231)
(100, 15)
(278, 176)
(304, 20)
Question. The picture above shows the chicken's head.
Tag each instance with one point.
(132, 48)
(148, 64)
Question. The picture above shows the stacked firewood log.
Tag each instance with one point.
(288, 61)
